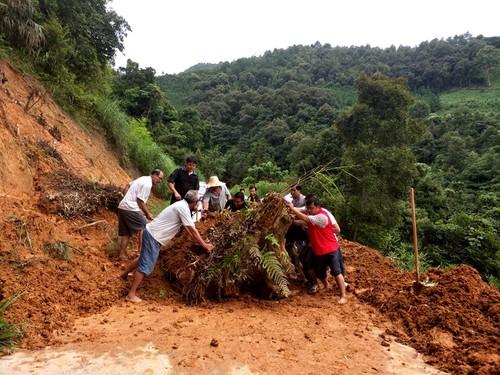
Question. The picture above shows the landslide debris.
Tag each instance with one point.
(456, 322)
(248, 255)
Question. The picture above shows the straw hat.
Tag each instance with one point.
(213, 181)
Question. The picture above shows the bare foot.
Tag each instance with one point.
(342, 301)
(133, 299)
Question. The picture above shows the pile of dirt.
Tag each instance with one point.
(455, 322)
(70, 196)
(247, 255)
(55, 292)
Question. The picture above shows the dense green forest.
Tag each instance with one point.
(378, 120)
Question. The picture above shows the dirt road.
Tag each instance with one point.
(302, 335)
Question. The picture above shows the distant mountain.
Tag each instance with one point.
(199, 66)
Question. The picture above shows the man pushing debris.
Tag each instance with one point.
(157, 233)
(132, 210)
(322, 229)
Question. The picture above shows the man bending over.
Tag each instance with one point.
(157, 233)
(322, 228)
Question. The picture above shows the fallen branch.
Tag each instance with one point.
(89, 225)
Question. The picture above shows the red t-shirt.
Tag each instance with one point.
(323, 240)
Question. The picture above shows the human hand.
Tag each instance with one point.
(208, 247)
(177, 196)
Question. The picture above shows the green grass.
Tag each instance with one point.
(482, 99)
(157, 205)
(263, 187)
(9, 333)
(133, 139)
(113, 247)
(58, 250)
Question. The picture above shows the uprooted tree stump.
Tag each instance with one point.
(248, 255)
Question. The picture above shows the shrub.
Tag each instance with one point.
(9, 333)
(133, 139)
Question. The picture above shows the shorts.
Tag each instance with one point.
(296, 233)
(130, 222)
(333, 260)
(150, 249)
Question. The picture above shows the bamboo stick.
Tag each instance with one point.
(415, 243)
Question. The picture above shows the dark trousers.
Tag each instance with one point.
(295, 241)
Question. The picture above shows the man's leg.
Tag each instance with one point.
(325, 283)
(130, 268)
(341, 285)
(337, 268)
(123, 246)
(132, 296)
(307, 259)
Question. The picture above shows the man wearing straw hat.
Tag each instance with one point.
(214, 199)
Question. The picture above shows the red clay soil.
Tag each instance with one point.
(456, 322)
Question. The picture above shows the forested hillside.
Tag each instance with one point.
(437, 129)
(378, 120)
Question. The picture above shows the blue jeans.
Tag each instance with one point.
(150, 249)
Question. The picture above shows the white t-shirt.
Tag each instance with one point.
(297, 202)
(166, 225)
(139, 188)
(321, 220)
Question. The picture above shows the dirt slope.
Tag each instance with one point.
(28, 116)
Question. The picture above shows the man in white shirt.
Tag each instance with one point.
(296, 237)
(296, 197)
(157, 233)
(132, 210)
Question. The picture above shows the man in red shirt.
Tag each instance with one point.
(322, 228)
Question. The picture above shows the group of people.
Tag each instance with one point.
(312, 242)
(217, 197)
(313, 231)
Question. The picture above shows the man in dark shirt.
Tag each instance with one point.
(253, 197)
(183, 179)
(237, 203)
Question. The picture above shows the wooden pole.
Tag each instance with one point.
(415, 243)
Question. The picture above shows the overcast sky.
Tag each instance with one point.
(172, 35)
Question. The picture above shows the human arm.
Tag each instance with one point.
(144, 209)
(298, 213)
(171, 184)
(206, 200)
(317, 220)
(171, 187)
(196, 235)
